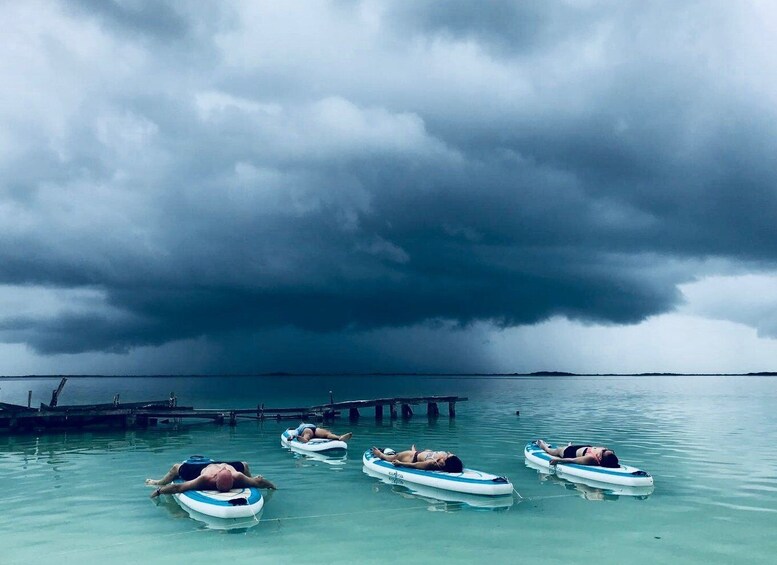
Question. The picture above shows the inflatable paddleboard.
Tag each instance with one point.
(469, 481)
(588, 489)
(623, 475)
(315, 445)
(238, 503)
(435, 496)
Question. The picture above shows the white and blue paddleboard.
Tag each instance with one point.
(315, 445)
(624, 475)
(238, 503)
(469, 481)
(436, 496)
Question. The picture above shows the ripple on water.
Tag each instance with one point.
(86, 491)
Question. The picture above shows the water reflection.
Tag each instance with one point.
(336, 458)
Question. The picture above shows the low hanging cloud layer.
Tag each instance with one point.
(225, 171)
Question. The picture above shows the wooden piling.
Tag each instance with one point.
(407, 412)
(452, 409)
(393, 408)
(353, 414)
(432, 410)
(29, 399)
(56, 392)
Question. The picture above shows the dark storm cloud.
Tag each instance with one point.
(312, 174)
(152, 18)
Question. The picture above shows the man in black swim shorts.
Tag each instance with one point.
(207, 476)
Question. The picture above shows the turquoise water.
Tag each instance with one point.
(79, 497)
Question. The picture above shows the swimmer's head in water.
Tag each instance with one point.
(224, 480)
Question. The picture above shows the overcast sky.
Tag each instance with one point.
(587, 186)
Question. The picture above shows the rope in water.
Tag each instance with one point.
(200, 530)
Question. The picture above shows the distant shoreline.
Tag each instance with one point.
(410, 374)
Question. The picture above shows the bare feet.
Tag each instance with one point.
(346, 437)
(380, 455)
(543, 445)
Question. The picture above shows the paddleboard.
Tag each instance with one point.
(470, 481)
(436, 495)
(624, 475)
(236, 503)
(588, 489)
(315, 445)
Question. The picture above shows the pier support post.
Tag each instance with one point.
(432, 410)
(29, 398)
(56, 392)
(378, 411)
(407, 412)
(232, 419)
(452, 409)
(393, 408)
(353, 414)
(260, 411)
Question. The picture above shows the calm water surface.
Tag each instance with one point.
(79, 497)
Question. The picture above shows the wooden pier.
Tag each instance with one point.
(51, 417)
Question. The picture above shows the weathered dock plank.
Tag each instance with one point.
(15, 417)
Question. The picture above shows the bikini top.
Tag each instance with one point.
(596, 453)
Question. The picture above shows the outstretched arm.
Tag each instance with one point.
(258, 482)
(425, 465)
(199, 483)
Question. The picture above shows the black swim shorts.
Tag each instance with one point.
(189, 471)
(570, 451)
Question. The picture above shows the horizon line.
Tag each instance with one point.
(391, 373)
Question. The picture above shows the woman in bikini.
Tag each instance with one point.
(581, 454)
(425, 459)
(305, 432)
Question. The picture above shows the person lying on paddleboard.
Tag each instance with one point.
(424, 459)
(222, 477)
(305, 432)
(581, 454)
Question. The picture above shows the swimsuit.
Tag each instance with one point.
(570, 451)
(596, 453)
(430, 455)
(302, 427)
(190, 471)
